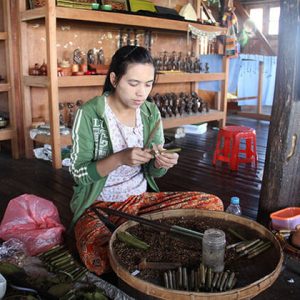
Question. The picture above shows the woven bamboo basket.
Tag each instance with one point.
(147, 290)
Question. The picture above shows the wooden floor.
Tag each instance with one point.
(193, 172)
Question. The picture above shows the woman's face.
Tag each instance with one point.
(135, 85)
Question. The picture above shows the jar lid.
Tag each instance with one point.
(214, 236)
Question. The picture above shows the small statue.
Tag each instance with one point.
(43, 69)
(173, 61)
(78, 103)
(188, 106)
(195, 105)
(179, 65)
(157, 100)
(61, 108)
(100, 57)
(77, 56)
(70, 107)
(181, 107)
(163, 111)
(188, 63)
(201, 67)
(165, 61)
(196, 65)
(158, 64)
(150, 99)
(91, 60)
(206, 106)
(206, 68)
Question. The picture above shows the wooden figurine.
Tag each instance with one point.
(206, 67)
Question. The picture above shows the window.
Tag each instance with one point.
(256, 15)
(274, 20)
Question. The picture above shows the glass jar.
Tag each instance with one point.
(213, 249)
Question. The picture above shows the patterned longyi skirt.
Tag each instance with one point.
(92, 235)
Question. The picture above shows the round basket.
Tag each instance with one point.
(158, 292)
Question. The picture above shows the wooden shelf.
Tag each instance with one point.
(192, 118)
(117, 18)
(7, 55)
(36, 81)
(3, 36)
(4, 87)
(65, 140)
(189, 77)
(51, 14)
(6, 133)
(98, 80)
(65, 81)
(171, 122)
(86, 80)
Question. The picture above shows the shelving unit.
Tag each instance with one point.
(9, 132)
(51, 14)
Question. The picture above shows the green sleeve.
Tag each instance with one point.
(83, 164)
(158, 139)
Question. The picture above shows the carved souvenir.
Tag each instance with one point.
(61, 108)
(121, 38)
(79, 103)
(135, 43)
(43, 69)
(100, 57)
(158, 64)
(188, 64)
(165, 60)
(91, 60)
(206, 68)
(181, 107)
(77, 57)
(70, 107)
(171, 105)
(128, 37)
(179, 62)
(196, 67)
(201, 67)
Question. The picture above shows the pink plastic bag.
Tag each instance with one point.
(34, 221)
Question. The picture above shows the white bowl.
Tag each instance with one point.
(2, 286)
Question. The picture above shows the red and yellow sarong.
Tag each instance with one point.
(92, 235)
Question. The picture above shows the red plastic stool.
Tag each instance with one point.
(228, 146)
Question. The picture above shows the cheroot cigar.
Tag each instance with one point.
(173, 150)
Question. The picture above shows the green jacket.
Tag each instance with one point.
(91, 142)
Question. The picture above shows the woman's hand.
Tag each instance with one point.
(130, 157)
(135, 156)
(164, 159)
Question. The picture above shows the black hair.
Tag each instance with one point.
(122, 58)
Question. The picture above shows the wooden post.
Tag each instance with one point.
(281, 180)
(53, 83)
(25, 90)
(260, 87)
(10, 78)
(15, 39)
(224, 90)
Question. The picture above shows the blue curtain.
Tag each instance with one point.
(215, 66)
(243, 76)
(248, 78)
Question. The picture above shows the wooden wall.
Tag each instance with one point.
(73, 35)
